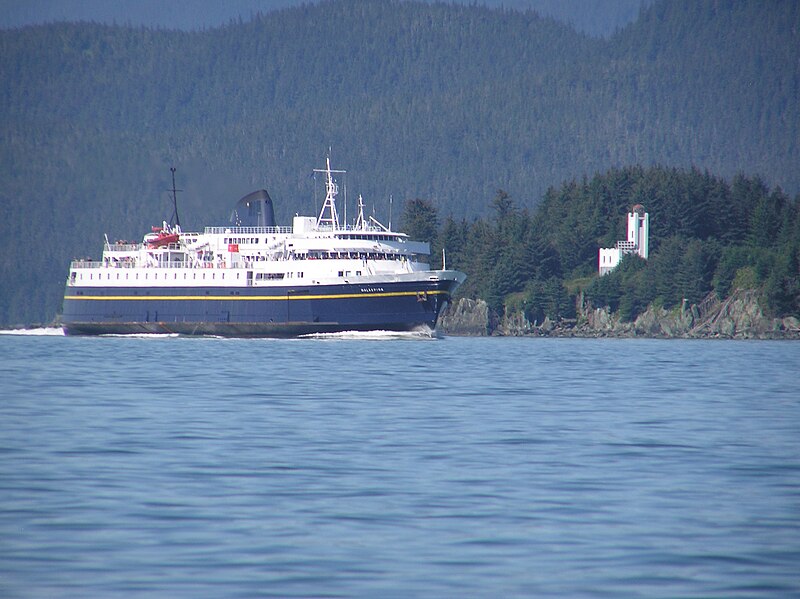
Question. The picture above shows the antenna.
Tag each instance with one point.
(331, 190)
(314, 176)
(175, 198)
(361, 224)
(390, 211)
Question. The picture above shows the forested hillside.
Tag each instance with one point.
(706, 235)
(440, 102)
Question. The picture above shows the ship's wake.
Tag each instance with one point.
(141, 335)
(36, 332)
(420, 333)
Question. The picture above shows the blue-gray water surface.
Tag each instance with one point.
(398, 466)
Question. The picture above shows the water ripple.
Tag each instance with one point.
(397, 467)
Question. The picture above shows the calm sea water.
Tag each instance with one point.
(398, 466)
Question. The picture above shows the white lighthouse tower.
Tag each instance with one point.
(636, 243)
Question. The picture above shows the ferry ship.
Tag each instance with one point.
(254, 278)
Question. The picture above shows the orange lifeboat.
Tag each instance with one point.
(163, 238)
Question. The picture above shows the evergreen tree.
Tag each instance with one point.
(420, 220)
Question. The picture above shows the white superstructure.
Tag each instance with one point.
(313, 251)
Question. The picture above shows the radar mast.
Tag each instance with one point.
(328, 217)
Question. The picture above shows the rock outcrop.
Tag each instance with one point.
(738, 317)
(466, 317)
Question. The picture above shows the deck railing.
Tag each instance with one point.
(122, 247)
(246, 230)
(173, 264)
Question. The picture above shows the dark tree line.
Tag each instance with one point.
(706, 235)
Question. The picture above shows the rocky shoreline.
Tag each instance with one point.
(738, 317)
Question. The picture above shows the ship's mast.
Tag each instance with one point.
(328, 215)
(175, 197)
(361, 222)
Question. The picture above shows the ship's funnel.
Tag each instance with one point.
(254, 210)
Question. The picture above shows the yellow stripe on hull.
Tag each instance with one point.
(302, 296)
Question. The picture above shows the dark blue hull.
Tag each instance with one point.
(254, 311)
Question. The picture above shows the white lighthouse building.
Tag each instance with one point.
(636, 243)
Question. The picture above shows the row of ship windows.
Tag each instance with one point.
(279, 275)
(146, 277)
(259, 276)
(369, 237)
(324, 255)
(255, 240)
(241, 240)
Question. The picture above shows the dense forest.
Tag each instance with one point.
(447, 103)
(707, 236)
(600, 18)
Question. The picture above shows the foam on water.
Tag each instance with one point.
(41, 332)
(421, 333)
(144, 335)
(375, 335)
